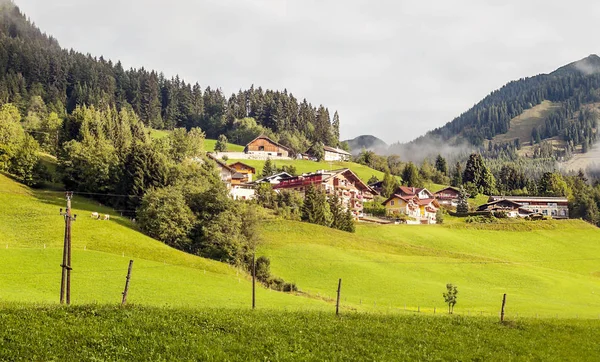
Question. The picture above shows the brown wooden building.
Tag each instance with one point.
(242, 168)
(263, 145)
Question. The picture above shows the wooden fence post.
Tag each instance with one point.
(502, 311)
(337, 304)
(127, 283)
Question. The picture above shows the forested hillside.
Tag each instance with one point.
(571, 86)
(34, 67)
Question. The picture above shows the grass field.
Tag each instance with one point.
(306, 166)
(31, 236)
(209, 146)
(547, 268)
(157, 334)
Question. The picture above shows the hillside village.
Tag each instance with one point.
(407, 204)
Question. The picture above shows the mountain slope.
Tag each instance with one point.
(368, 142)
(572, 86)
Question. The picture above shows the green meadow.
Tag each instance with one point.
(547, 268)
(110, 333)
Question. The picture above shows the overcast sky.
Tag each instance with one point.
(394, 69)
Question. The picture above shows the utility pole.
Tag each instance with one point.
(253, 281)
(65, 284)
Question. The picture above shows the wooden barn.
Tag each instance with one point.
(263, 145)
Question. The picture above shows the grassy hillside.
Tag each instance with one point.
(546, 268)
(306, 166)
(31, 237)
(209, 146)
(156, 334)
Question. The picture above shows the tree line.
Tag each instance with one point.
(32, 64)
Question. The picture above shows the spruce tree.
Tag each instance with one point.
(457, 179)
(221, 144)
(389, 185)
(441, 165)
(321, 211)
(335, 124)
(335, 206)
(268, 168)
(463, 205)
(308, 204)
(410, 175)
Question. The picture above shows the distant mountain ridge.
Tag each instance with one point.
(571, 88)
(367, 142)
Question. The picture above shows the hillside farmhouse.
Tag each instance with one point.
(335, 154)
(448, 196)
(555, 207)
(344, 183)
(242, 168)
(417, 203)
(264, 146)
(511, 208)
(236, 182)
(226, 172)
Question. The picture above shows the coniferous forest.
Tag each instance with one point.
(33, 66)
(567, 85)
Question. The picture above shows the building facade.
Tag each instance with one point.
(555, 207)
(448, 196)
(264, 146)
(417, 204)
(246, 170)
(343, 183)
(335, 154)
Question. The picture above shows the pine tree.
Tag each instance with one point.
(410, 175)
(335, 207)
(221, 144)
(463, 205)
(389, 185)
(308, 204)
(457, 179)
(441, 165)
(321, 211)
(268, 169)
(335, 124)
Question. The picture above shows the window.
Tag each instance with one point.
(545, 212)
(261, 148)
(392, 203)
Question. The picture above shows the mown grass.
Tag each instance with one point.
(546, 268)
(209, 146)
(31, 238)
(155, 334)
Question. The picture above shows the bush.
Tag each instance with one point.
(480, 219)
(225, 158)
(439, 216)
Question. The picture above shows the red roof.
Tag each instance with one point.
(405, 190)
